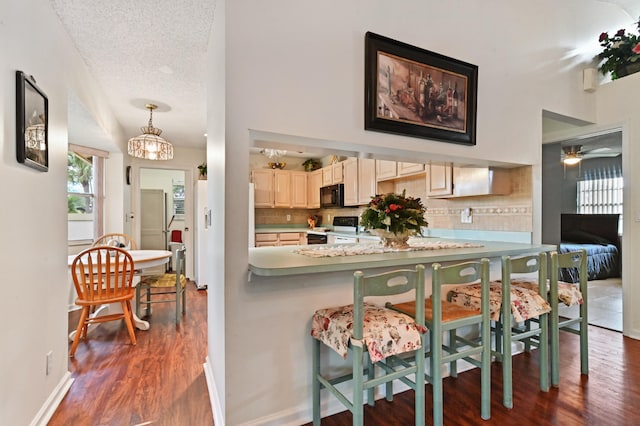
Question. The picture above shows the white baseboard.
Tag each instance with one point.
(292, 417)
(214, 396)
(51, 404)
(633, 333)
(329, 406)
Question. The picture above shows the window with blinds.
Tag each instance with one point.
(600, 192)
(178, 199)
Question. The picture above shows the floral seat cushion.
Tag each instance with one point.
(525, 303)
(568, 293)
(385, 332)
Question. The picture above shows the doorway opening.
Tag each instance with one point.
(165, 211)
(592, 185)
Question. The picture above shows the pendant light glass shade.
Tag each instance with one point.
(572, 159)
(572, 154)
(150, 145)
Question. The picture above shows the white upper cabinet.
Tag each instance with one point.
(439, 179)
(314, 182)
(386, 170)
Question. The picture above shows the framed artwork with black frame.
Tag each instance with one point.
(415, 92)
(32, 123)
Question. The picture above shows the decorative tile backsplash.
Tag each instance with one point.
(513, 212)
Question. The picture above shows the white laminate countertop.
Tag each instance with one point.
(281, 261)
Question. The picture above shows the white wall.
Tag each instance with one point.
(220, 186)
(300, 72)
(35, 288)
(614, 108)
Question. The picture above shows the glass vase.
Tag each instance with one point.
(394, 241)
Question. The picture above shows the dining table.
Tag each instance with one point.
(143, 260)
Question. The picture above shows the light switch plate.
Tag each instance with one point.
(466, 216)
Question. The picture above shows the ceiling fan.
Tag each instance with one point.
(573, 154)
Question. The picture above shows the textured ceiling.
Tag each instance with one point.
(146, 51)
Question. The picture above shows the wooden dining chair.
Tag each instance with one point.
(577, 325)
(383, 334)
(507, 333)
(443, 316)
(154, 288)
(116, 240)
(102, 275)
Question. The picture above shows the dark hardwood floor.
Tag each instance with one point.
(160, 381)
(609, 395)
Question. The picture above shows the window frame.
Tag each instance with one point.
(98, 194)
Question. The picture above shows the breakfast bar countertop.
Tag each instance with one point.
(281, 261)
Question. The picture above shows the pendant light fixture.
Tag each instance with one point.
(149, 145)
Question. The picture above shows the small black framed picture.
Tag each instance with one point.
(32, 123)
(415, 92)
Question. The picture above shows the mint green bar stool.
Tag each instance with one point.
(343, 329)
(507, 333)
(443, 316)
(578, 325)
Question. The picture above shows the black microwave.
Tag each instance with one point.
(332, 196)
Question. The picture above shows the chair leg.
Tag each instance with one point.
(388, 391)
(555, 344)
(507, 361)
(76, 339)
(184, 299)
(128, 318)
(419, 391)
(177, 305)
(315, 370)
(148, 300)
(498, 337)
(358, 403)
(507, 372)
(138, 300)
(453, 343)
(436, 375)
(584, 339)
(371, 374)
(485, 379)
(527, 342)
(544, 352)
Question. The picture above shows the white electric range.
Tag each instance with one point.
(343, 231)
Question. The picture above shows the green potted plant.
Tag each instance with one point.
(203, 171)
(311, 165)
(394, 217)
(620, 52)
